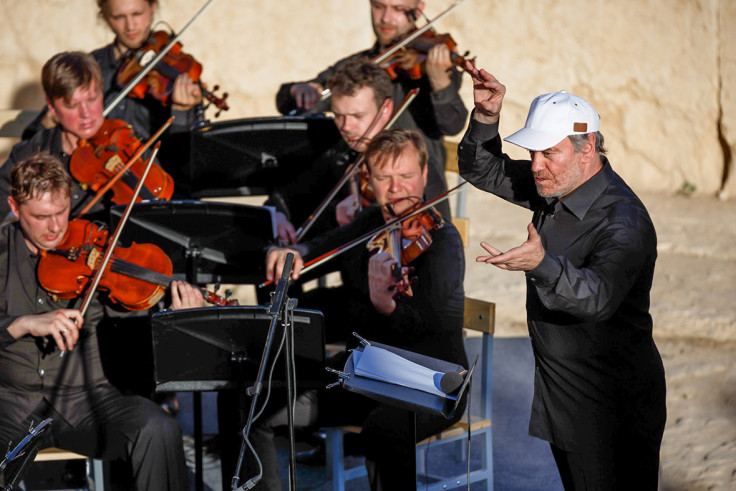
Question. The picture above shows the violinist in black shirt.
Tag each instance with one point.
(362, 106)
(72, 83)
(50, 360)
(599, 386)
(428, 322)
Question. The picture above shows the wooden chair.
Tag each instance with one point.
(479, 317)
(94, 468)
(459, 216)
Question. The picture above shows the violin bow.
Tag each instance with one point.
(318, 261)
(327, 93)
(101, 192)
(153, 62)
(118, 231)
(350, 171)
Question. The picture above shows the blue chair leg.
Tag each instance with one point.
(335, 458)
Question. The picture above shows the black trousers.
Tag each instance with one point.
(118, 427)
(630, 466)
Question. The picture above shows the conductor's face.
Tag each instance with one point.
(557, 170)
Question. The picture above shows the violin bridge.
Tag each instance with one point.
(92, 258)
(113, 163)
(146, 57)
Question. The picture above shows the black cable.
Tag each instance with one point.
(250, 483)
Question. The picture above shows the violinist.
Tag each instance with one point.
(438, 110)
(73, 85)
(362, 105)
(131, 22)
(90, 416)
(429, 322)
(72, 82)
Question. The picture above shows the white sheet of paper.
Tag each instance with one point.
(380, 364)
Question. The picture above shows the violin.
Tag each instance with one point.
(136, 277)
(159, 82)
(411, 232)
(97, 160)
(411, 61)
(361, 189)
(405, 241)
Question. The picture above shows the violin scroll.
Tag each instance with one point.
(215, 299)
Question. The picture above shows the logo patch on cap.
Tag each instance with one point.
(580, 127)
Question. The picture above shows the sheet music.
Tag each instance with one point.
(380, 364)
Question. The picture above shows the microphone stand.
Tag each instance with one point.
(280, 300)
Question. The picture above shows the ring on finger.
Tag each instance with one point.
(64, 331)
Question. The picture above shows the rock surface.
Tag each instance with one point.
(660, 73)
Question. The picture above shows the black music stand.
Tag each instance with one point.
(207, 242)
(211, 348)
(252, 156)
(228, 344)
(404, 397)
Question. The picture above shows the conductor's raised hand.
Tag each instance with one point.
(488, 94)
(525, 257)
(276, 259)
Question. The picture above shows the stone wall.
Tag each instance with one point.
(661, 73)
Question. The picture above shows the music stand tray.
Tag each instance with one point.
(208, 242)
(251, 156)
(405, 397)
(215, 348)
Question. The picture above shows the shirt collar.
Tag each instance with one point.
(579, 201)
(23, 253)
(109, 58)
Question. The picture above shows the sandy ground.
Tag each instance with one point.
(694, 310)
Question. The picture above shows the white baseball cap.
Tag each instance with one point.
(552, 117)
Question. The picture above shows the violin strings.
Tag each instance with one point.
(139, 272)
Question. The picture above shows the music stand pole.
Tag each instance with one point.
(277, 306)
(290, 387)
